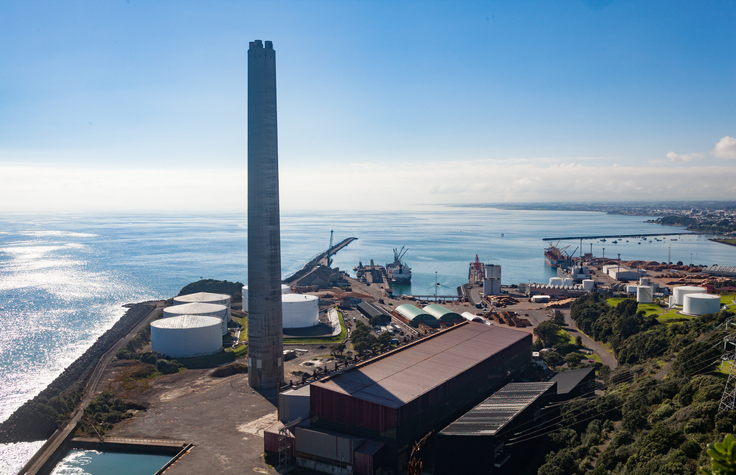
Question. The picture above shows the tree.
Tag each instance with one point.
(385, 338)
(693, 357)
(579, 341)
(558, 318)
(547, 332)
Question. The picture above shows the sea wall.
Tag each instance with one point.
(38, 418)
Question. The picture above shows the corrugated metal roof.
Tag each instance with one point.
(567, 380)
(410, 312)
(441, 313)
(490, 416)
(187, 321)
(413, 370)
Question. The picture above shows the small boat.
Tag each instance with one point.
(615, 242)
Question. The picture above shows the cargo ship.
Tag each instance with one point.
(556, 257)
(397, 271)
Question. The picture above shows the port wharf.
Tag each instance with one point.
(616, 236)
(321, 259)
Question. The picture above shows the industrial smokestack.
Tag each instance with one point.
(265, 352)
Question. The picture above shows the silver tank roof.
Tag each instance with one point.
(186, 321)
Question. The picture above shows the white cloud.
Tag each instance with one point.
(725, 148)
(684, 158)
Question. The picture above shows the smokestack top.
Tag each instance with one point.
(258, 44)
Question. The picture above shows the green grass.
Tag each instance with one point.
(726, 368)
(243, 327)
(728, 299)
(564, 335)
(672, 315)
(321, 341)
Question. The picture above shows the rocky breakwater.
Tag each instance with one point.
(39, 417)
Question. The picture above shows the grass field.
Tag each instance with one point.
(667, 316)
(728, 299)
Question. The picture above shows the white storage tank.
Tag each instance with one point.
(299, 310)
(568, 282)
(555, 281)
(185, 336)
(206, 297)
(588, 285)
(644, 281)
(683, 290)
(540, 298)
(644, 294)
(631, 289)
(203, 309)
(700, 304)
(285, 289)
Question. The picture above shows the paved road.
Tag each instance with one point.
(606, 357)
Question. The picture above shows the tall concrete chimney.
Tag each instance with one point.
(265, 352)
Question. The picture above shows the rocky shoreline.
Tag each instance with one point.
(39, 417)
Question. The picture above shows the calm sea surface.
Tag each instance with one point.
(64, 278)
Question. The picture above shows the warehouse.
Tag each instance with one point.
(414, 316)
(442, 314)
(203, 309)
(370, 311)
(574, 383)
(186, 336)
(397, 398)
(476, 442)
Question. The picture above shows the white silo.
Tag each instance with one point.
(588, 285)
(700, 304)
(644, 294)
(555, 281)
(644, 281)
(285, 289)
(203, 309)
(683, 290)
(300, 310)
(186, 336)
(206, 297)
(631, 289)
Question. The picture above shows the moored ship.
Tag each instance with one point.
(556, 257)
(397, 271)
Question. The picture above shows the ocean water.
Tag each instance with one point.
(64, 278)
(92, 462)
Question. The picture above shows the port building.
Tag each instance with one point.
(186, 336)
(443, 314)
(367, 416)
(414, 316)
(476, 442)
(201, 309)
(370, 311)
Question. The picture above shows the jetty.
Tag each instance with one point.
(614, 236)
(320, 259)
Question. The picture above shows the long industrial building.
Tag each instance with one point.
(397, 398)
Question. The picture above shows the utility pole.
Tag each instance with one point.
(604, 253)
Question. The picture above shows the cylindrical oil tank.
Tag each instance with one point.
(644, 294)
(644, 281)
(203, 309)
(185, 336)
(555, 281)
(683, 290)
(206, 297)
(631, 289)
(700, 304)
(299, 310)
(568, 282)
(588, 285)
(285, 289)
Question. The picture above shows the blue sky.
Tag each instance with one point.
(132, 105)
